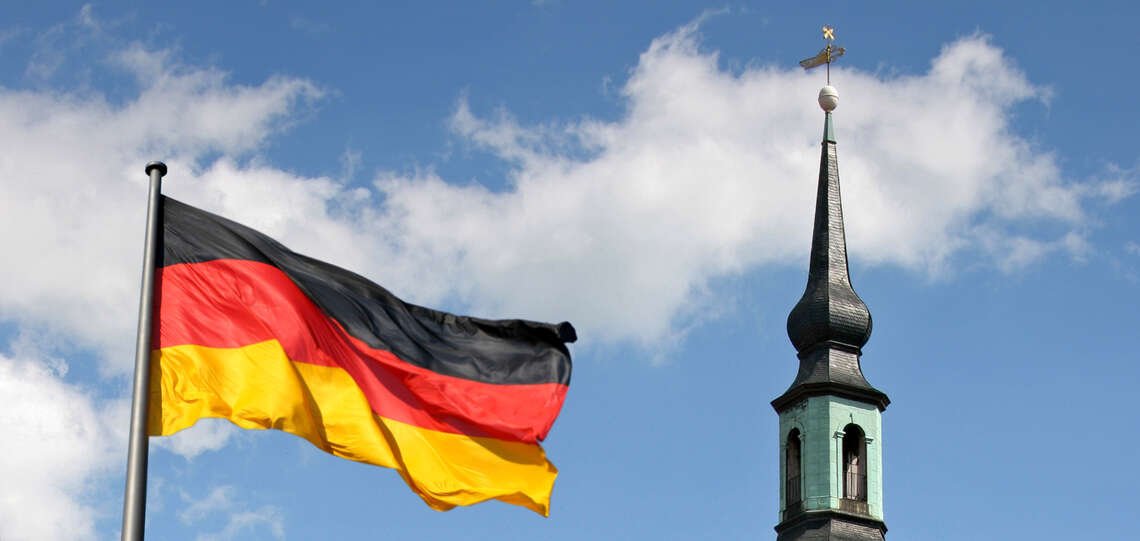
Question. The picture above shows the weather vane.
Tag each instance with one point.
(825, 56)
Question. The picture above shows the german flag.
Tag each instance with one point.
(250, 331)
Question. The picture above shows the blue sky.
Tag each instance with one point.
(645, 171)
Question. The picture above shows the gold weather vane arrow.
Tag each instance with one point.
(825, 56)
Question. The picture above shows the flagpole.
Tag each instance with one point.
(134, 498)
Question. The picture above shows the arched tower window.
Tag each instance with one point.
(792, 472)
(854, 463)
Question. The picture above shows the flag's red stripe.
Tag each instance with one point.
(233, 303)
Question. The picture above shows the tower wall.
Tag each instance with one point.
(821, 421)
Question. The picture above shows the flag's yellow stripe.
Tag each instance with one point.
(257, 386)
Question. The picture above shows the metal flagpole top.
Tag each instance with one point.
(138, 449)
(156, 165)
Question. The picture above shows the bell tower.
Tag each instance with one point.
(831, 467)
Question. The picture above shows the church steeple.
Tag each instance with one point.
(830, 416)
(830, 310)
(830, 324)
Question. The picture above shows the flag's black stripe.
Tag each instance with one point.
(492, 351)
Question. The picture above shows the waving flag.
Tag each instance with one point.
(250, 331)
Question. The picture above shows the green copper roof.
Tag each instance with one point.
(828, 131)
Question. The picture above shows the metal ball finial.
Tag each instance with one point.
(156, 165)
(828, 98)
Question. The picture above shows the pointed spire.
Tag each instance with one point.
(830, 324)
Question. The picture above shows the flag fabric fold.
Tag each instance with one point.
(250, 331)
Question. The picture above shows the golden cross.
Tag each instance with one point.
(828, 33)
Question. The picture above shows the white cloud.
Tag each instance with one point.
(75, 197)
(240, 525)
(220, 498)
(56, 444)
(1011, 253)
(1117, 184)
(205, 435)
(620, 225)
(240, 519)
